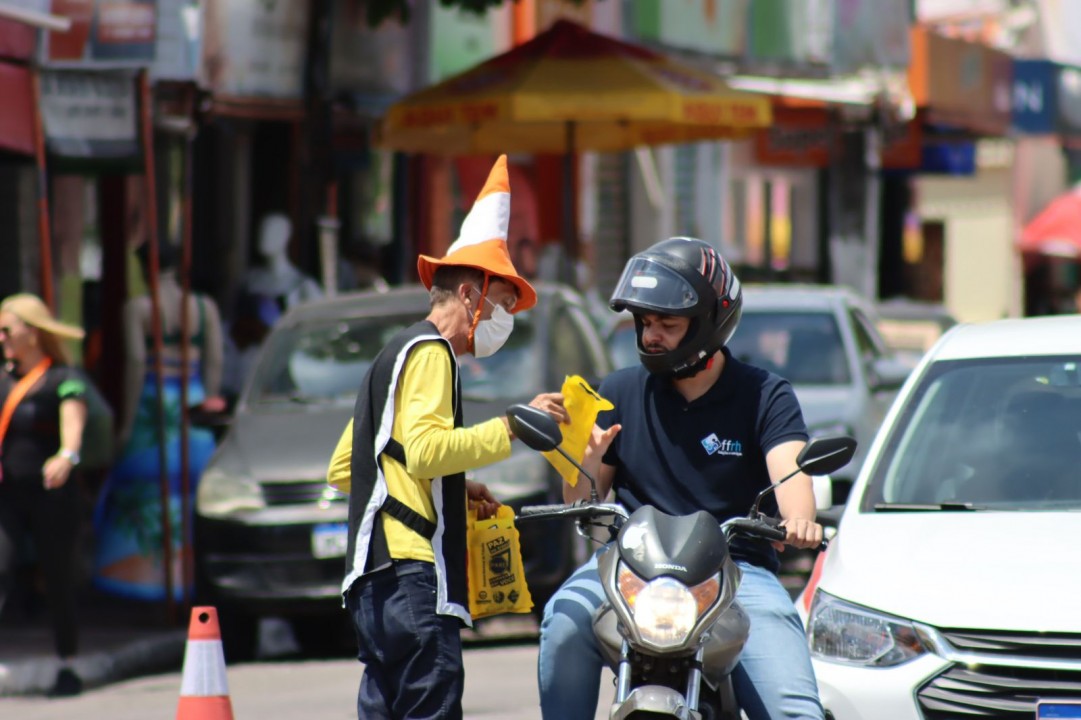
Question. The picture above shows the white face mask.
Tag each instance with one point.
(492, 334)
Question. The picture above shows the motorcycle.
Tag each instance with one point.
(670, 627)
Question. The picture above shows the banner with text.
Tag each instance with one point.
(89, 115)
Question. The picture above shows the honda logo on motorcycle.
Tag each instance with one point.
(716, 446)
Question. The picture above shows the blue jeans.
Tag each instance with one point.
(774, 678)
(412, 657)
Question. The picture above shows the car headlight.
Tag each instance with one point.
(664, 609)
(842, 632)
(222, 493)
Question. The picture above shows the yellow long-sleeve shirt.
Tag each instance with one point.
(424, 425)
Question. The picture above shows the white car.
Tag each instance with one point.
(953, 586)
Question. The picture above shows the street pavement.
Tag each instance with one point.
(120, 640)
(500, 684)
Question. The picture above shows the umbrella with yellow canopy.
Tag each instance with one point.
(615, 95)
(571, 89)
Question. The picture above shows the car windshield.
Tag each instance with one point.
(803, 347)
(986, 434)
(324, 361)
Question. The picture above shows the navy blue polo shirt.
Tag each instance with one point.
(708, 454)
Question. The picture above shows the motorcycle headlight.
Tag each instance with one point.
(222, 493)
(839, 631)
(664, 609)
(665, 612)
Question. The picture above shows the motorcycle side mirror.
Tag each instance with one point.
(534, 427)
(820, 456)
(825, 455)
(540, 432)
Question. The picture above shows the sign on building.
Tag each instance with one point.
(89, 114)
(104, 33)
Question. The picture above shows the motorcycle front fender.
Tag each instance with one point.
(653, 700)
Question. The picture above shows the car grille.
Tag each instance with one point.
(1016, 644)
(304, 492)
(1018, 670)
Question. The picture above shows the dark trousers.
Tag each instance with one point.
(412, 657)
(51, 518)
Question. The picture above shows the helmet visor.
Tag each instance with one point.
(648, 285)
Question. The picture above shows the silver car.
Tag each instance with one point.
(824, 340)
(270, 535)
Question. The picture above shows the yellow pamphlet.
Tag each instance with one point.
(583, 404)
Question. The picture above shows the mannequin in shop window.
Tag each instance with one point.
(130, 552)
(278, 285)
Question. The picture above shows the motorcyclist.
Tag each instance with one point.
(693, 429)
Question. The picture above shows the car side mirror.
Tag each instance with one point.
(534, 427)
(888, 373)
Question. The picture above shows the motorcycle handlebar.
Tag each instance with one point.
(529, 511)
(762, 528)
(765, 528)
(776, 523)
(532, 512)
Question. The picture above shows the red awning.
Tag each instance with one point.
(1057, 229)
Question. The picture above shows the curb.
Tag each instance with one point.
(164, 653)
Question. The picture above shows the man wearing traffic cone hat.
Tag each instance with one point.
(403, 459)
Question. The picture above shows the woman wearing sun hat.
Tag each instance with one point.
(42, 418)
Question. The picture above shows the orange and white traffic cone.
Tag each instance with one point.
(204, 692)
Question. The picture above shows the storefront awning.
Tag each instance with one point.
(838, 91)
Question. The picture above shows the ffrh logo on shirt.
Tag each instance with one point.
(715, 446)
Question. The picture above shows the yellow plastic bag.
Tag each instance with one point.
(497, 581)
(583, 404)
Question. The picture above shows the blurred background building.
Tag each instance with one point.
(911, 145)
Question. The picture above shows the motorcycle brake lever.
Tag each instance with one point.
(771, 521)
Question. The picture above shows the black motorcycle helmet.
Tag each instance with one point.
(685, 277)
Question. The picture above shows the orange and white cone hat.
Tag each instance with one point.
(482, 243)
